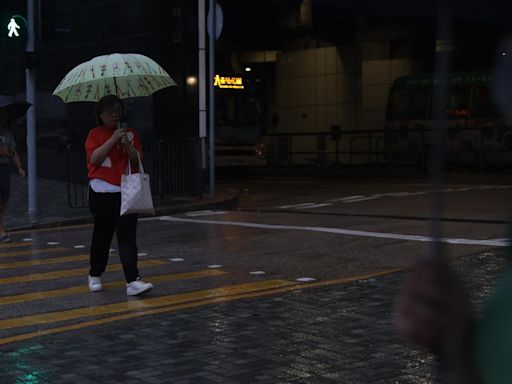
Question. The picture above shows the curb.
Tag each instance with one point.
(231, 202)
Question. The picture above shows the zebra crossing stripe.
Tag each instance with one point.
(33, 252)
(76, 290)
(142, 304)
(15, 244)
(32, 263)
(70, 273)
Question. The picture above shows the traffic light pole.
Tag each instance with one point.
(212, 22)
(30, 78)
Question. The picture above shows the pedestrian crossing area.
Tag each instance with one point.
(44, 289)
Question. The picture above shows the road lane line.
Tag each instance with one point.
(296, 205)
(16, 244)
(57, 228)
(140, 304)
(26, 297)
(314, 206)
(365, 198)
(204, 213)
(344, 198)
(195, 304)
(54, 260)
(339, 231)
(33, 252)
(71, 272)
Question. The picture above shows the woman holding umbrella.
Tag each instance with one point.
(7, 153)
(108, 150)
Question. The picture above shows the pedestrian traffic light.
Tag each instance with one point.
(13, 27)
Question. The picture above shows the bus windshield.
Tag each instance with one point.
(238, 118)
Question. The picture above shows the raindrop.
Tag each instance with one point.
(111, 250)
(142, 254)
(52, 242)
(215, 266)
(176, 259)
(305, 279)
(79, 246)
(257, 273)
(28, 239)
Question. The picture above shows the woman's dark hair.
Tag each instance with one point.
(107, 102)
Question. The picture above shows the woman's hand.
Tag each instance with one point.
(21, 172)
(119, 135)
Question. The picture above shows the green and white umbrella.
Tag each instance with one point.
(123, 74)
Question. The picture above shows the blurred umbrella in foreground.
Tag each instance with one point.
(13, 108)
(123, 74)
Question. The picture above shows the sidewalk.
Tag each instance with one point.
(54, 211)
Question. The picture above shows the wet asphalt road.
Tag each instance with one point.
(287, 236)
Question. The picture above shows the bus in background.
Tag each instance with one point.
(239, 124)
(476, 133)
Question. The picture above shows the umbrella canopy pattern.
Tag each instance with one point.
(13, 107)
(123, 74)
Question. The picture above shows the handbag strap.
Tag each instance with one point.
(129, 165)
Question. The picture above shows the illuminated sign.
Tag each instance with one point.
(14, 26)
(228, 82)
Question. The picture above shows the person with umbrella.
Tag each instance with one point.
(109, 149)
(106, 79)
(10, 109)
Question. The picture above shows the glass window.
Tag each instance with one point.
(458, 103)
(398, 104)
(483, 103)
(248, 111)
(418, 107)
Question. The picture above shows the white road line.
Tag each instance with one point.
(314, 206)
(357, 198)
(344, 198)
(295, 205)
(372, 197)
(205, 213)
(339, 231)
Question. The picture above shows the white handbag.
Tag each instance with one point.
(136, 191)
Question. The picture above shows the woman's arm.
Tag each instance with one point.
(130, 147)
(100, 153)
(19, 167)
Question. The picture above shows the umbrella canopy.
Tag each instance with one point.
(122, 74)
(14, 108)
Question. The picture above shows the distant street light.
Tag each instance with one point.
(191, 80)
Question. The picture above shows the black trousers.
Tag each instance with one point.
(105, 211)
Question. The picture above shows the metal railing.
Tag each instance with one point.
(174, 169)
(321, 148)
(477, 146)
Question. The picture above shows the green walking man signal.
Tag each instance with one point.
(14, 27)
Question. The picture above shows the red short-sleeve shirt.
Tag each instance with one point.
(115, 163)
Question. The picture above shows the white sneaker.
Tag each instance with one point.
(95, 284)
(137, 287)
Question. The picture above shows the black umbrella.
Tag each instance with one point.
(13, 107)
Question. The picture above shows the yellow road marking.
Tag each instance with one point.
(70, 272)
(54, 260)
(33, 252)
(140, 304)
(199, 303)
(16, 244)
(55, 229)
(84, 289)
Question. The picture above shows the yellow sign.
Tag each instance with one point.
(228, 82)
